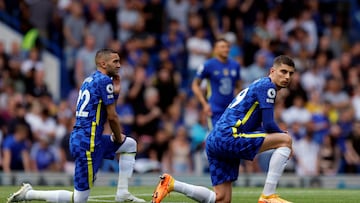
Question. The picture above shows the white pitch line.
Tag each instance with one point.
(95, 198)
(100, 200)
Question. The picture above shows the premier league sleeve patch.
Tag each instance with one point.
(110, 91)
(271, 94)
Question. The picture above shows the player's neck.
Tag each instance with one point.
(221, 59)
(101, 70)
(272, 80)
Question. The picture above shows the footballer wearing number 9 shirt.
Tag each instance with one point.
(95, 105)
(246, 128)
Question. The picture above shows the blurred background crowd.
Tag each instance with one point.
(161, 43)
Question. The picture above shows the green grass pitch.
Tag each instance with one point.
(240, 194)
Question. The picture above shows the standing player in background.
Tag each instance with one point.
(223, 81)
(246, 128)
(96, 105)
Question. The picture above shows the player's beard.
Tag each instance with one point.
(224, 57)
(112, 71)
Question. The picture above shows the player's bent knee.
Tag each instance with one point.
(287, 140)
(222, 199)
(81, 196)
(128, 146)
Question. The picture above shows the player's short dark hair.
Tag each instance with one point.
(284, 59)
(103, 53)
(220, 39)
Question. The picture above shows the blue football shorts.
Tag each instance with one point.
(224, 153)
(88, 163)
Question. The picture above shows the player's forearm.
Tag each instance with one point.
(116, 129)
(6, 160)
(198, 93)
(268, 121)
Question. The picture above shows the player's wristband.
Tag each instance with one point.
(116, 96)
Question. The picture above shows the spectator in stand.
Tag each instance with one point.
(137, 88)
(67, 162)
(159, 149)
(14, 72)
(133, 51)
(100, 29)
(32, 67)
(172, 119)
(256, 70)
(148, 117)
(352, 153)
(304, 23)
(198, 133)
(180, 152)
(84, 64)
(4, 57)
(154, 14)
(178, 10)
(194, 23)
(63, 115)
(335, 95)
(166, 84)
(127, 17)
(191, 112)
(15, 150)
(74, 31)
(230, 17)
(297, 113)
(7, 96)
(209, 18)
(274, 25)
(355, 101)
(40, 15)
(126, 115)
(306, 153)
(172, 41)
(42, 124)
(44, 156)
(146, 41)
(199, 49)
(19, 118)
(1, 143)
(345, 64)
(324, 47)
(321, 112)
(236, 51)
(329, 157)
(15, 56)
(313, 79)
(338, 41)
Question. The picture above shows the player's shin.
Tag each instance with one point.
(198, 193)
(127, 153)
(276, 168)
(50, 196)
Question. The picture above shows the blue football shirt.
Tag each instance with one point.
(243, 115)
(221, 80)
(95, 94)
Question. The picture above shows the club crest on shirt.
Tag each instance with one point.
(226, 72)
(233, 73)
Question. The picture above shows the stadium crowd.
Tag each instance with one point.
(161, 44)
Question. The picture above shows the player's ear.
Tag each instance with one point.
(102, 64)
(272, 69)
